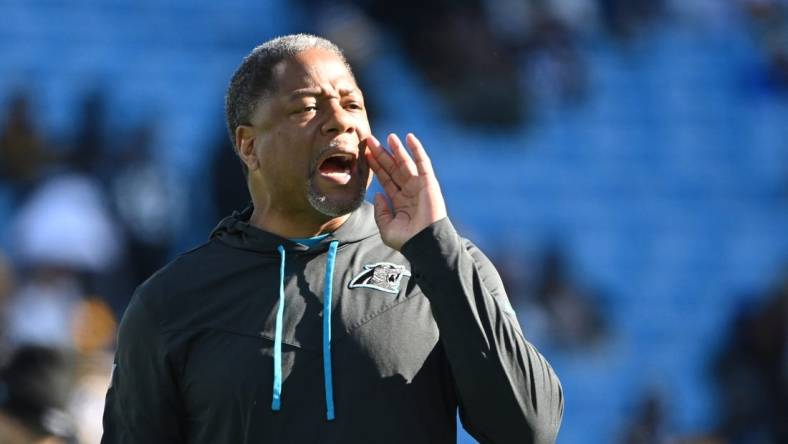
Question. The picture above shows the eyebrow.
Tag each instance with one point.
(317, 91)
(305, 92)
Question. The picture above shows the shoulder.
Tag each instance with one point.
(172, 274)
(183, 275)
(485, 267)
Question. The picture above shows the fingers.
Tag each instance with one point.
(396, 168)
(384, 159)
(423, 163)
(384, 177)
(401, 155)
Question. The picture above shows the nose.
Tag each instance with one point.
(339, 121)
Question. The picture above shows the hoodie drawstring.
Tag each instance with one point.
(327, 295)
(280, 311)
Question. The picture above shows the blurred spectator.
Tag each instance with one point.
(7, 283)
(66, 223)
(548, 301)
(86, 404)
(647, 425)
(545, 36)
(62, 235)
(650, 423)
(769, 21)
(93, 326)
(628, 19)
(148, 206)
(23, 153)
(93, 330)
(89, 149)
(752, 373)
(458, 53)
(556, 70)
(34, 388)
(700, 439)
(574, 318)
(41, 311)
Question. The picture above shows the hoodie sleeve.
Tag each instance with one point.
(142, 404)
(507, 391)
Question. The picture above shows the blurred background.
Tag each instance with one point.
(624, 163)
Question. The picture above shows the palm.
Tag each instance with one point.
(411, 186)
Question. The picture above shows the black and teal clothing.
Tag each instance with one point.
(253, 338)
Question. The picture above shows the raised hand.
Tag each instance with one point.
(411, 186)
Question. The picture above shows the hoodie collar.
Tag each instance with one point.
(235, 231)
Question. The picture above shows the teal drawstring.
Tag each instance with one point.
(280, 311)
(327, 295)
(327, 292)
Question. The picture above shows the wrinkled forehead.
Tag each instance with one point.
(311, 68)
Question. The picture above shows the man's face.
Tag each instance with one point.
(308, 136)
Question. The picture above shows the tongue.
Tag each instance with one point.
(334, 165)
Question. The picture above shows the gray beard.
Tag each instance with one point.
(324, 205)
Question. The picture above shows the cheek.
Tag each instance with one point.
(273, 150)
(269, 155)
(285, 158)
(363, 127)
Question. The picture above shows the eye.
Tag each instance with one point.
(300, 109)
(354, 106)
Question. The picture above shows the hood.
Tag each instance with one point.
(235, 231)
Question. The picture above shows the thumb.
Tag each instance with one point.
(383, 214)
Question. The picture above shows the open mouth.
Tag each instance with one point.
(338, 167)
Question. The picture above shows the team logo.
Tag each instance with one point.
(383, 276)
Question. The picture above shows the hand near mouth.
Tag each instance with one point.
(411, 186)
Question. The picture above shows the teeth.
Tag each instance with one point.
(340, 169)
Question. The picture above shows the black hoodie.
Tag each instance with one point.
(384, 354)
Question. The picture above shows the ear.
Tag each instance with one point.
(244, 141)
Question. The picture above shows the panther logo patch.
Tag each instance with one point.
(383, 276)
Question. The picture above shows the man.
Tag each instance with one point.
(311, 317)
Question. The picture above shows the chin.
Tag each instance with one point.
(335, 206)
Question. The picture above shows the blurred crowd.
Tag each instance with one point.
(496, 63)
(749, 371)
(90, 219)
(93, 213)
(69, 270)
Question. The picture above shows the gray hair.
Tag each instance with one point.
(254, 78)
